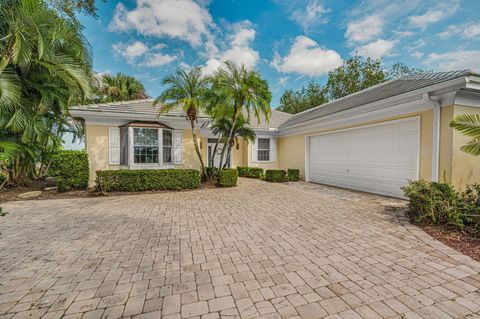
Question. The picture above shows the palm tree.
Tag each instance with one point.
(469, 125)
(44, 67)
(223, 126)
(238, 89)
(120, 87)
(188, 90)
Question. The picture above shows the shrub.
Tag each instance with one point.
(142, 180)
(433, 203)
(251, 172)
(293, 174)
(71, 169)
(275, 175)
(228, 177)
(210, 170)
(2, 212)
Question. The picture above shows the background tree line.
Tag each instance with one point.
(354, 75)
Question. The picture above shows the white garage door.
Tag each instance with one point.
(377, 158)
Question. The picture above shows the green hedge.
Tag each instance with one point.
(251, 172)
(293, 174)
(275, 175)
(142, 180)
(71, 169)
(228, 177)
(440, 204)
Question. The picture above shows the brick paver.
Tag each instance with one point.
(264, 250)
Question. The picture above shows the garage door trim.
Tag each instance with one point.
(407, 119)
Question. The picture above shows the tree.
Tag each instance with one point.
(237, 89)
(303, 99)
(399, 69)
(188, 90)
(221, 128)
(469, 125)
(354, 75)
(44, 67)
(119, 87)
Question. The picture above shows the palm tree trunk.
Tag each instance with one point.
(197, 149)
(231, 132)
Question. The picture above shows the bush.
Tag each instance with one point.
(433, 203)
(275, 175)
(71, 169)
(250, 172)
(210, 170)
(293, 174)
(142, 180)
(228, 177)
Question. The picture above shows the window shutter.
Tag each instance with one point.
(113, 145)
(273, 149)
(178, 146)
(255, 150)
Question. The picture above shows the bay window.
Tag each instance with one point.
(145, 146)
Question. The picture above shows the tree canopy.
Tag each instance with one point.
(118, 87)
(354, 75)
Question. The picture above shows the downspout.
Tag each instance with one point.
(435, 136)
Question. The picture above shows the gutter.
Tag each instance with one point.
(435, 136)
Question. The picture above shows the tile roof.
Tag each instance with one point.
(376, 93)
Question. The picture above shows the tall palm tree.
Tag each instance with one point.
(45, 66)
(223, 126)
(120, 87)
(240, 90)
(188, 90)
(469, 125)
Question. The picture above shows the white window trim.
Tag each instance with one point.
(172, 152)
(159, 165)
(263, 149)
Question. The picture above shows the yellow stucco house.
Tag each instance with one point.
(374, 140)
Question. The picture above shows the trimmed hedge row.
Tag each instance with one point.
(228, 177)
(251, 172)
(70, 167)
(293, 174)
(142, 180)
(275, 175)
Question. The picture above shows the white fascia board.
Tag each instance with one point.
(473, 83)
(466, 98)
(394, 106)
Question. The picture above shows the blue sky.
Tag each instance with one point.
(289, 41)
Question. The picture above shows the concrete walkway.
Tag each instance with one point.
(258, 250)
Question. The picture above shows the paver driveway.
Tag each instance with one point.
(258, 250)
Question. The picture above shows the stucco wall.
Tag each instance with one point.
(239, 154)
(264, 165)
(465, 167)
(291, 149)
(96, 144)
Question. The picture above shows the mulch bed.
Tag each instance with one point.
(459, 241)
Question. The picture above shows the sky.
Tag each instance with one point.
(290, 42)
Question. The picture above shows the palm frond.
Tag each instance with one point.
(468, 124)
(472, 147)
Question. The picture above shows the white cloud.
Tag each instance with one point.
(376, 49)
(440, 12)
(138, 53)
(306, 57)
(422, 21)
(158, 59)
(467, 30)
(417, 55)
(364, 30)
(454, 60)
(238, 50)
(311, 15)
(186, 20)
(282, 80)
(130, 51)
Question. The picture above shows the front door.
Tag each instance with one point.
(215, 160)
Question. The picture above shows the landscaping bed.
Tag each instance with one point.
(459, 241)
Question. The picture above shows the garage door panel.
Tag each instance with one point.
(378, 159)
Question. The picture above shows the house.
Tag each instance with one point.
(374, 140)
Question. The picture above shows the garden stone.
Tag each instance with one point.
(31, 194)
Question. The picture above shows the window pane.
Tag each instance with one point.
(145, 154)
(145, 136)
(263, 143)
(167, 154)
(263, 155)
(167, 138)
